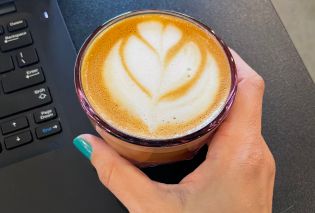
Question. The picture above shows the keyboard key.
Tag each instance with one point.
(24, 100)
(17, 80)
(1, 30)
(15, 40)
(17, 25)
(14, 125)
(46, 114)
(48, 129)
(19, 139)
(7, 8)
(26, 57)
(6, 63)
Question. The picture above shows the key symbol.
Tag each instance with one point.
(18, 138)
(22, 57)
(14, 124)
(42, 96)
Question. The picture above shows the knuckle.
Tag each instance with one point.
(257, 82)
(255, 160)
(271, 164)
(252, 157)
(105, 170)
(106, 174)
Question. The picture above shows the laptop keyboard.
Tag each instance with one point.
(27, 114)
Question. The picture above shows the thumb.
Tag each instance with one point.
(128, 183)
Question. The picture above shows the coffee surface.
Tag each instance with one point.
(156, 76)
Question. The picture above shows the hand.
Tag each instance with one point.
(237, 175)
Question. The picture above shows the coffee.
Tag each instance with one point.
(156, 76)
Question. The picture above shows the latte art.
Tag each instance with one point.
(156, 76)
(159, 76)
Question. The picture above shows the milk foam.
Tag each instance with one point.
(162, 77)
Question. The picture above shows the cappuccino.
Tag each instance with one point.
(156, 76)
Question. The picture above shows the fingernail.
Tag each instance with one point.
(83, 146)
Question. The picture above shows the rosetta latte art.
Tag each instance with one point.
(161, 75)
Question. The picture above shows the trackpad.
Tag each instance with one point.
(58, 181)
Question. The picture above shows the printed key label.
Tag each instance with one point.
(46, 114)
(14, 37)
(32, 73)
(39, 91)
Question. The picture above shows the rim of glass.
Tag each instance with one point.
(153, 142)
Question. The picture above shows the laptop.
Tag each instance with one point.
(40, 115)
(40, 170)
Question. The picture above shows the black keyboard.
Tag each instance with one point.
(28, 114)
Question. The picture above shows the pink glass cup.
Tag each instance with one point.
(148, 152)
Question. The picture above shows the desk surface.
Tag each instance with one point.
(253, 29)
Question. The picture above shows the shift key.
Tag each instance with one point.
(17, 80)
(23, 100)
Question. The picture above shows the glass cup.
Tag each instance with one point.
(148, 152)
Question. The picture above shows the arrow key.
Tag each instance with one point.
(49, 129)
(17, 140)
(14, 125)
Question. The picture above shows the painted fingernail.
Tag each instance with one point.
(83, 146)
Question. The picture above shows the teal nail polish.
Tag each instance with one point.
(83, 146)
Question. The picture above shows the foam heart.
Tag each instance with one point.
(161, 76)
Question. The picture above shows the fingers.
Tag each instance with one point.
(241, 130)
(246, 112)
(244, 119)
(247, 107)
(125, 181)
